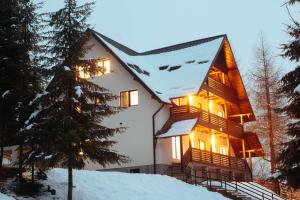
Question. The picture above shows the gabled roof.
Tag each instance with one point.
(169, 72)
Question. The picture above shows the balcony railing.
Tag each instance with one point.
(221, 90)
(220, 160)
(208, 119)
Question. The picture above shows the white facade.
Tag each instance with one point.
(137, 140)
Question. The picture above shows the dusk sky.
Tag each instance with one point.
(144, 25)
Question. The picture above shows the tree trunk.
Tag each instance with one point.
(20, 163)
(270, 122)
(2, 144)
(70, 179)
(32, 173)
(1, 156)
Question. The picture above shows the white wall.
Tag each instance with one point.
(136, 142)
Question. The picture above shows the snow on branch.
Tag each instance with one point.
(38, 96)
(78, 91)
(5, 93)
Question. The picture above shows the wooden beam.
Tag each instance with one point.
(239, 115)
(244, 152)
(181, 153)
(252, 150)
(250, 161)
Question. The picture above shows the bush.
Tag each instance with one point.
(28, 189)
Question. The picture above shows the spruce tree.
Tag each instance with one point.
(67, 125)
(289, 159)
(19, 80)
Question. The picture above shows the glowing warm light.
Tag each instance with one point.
(192, 139)
(176, 147)
(78, 109)
(213, 142)
(82, 73)
(81, 152)
(105, 67)
(134, 98)
(191, 100)
(202, 145)
(223, 150)
(210, 105)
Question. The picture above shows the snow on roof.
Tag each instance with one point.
(180, 128)
(172, 72)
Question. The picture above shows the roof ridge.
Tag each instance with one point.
(116, 44)
(182, 45)
(158, 50)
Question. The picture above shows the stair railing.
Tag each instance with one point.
(240, 187)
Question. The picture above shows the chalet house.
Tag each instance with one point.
(185, 105)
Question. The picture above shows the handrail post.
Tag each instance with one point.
(263, 196)
(272, 195)
(225, 186)
(236, 186)
(195, 176)
(209, 180)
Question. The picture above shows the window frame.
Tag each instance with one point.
(129, 98)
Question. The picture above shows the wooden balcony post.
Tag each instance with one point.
(228, 149)
(250, 160)
(190, 148)
(244, 151)
(181, 153)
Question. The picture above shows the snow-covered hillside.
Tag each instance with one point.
(93, 185)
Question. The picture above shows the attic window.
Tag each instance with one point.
(104, 66)
(190, 62)
(203, 61)
(174, 68)
(138, 69)
(158, 92)
(163, 67)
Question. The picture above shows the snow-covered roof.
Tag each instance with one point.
(173, 71)
(180, 128)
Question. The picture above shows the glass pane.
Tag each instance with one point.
(107, 66)
(124, 99)
(134, 98)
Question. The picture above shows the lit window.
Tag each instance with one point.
(180, 101)
(192, 139)
(210, 105)
(202, 145)
(97, 101)
(129, 98)
(104, 66)
(213, 143)
(82, 73)
(223, 150)
(220, 114)
(134, 98)
(191, 100)
(176, 147)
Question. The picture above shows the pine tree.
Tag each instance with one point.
(264, 79)
(19, 80)
(66, 127)
(289, 159)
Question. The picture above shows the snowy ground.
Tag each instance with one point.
(93, 185)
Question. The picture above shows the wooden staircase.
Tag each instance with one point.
(219, 182)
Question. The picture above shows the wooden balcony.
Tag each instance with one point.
(215, 160)
(207, 119)
(220, 90)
